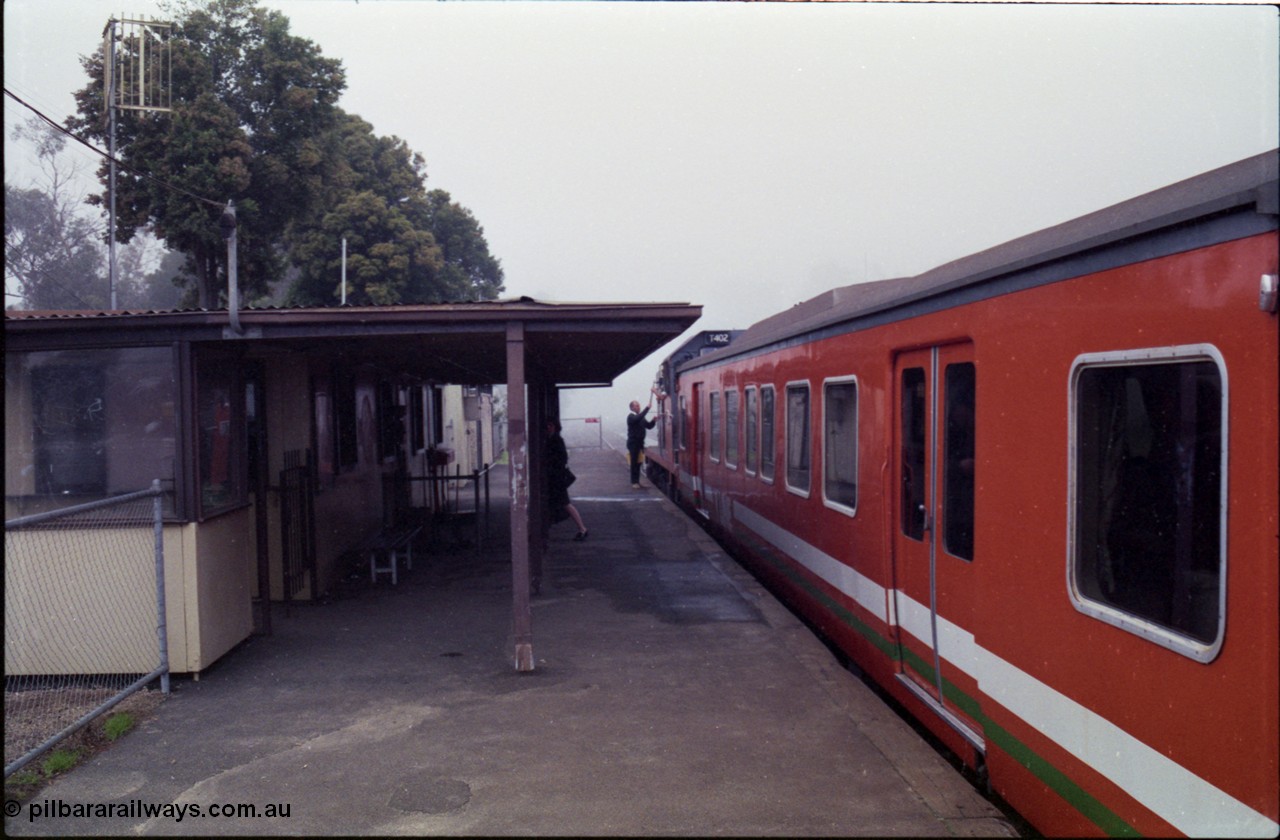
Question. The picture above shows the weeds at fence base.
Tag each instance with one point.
(76, 748)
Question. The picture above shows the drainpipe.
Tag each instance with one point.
(228, 225)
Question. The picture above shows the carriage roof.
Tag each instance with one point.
(1230, 202)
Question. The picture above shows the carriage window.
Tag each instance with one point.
(715, 427)
(958, 461)
(731, 430)
(1149, 495)
(766, 432)
(913, 443)
(682, 422)
(752, 429)
(798, 437)
(840, 443)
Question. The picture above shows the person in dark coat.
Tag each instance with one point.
(558, 480)
(637, 425)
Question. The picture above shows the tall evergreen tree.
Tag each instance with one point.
(247, 99)
(255, 120)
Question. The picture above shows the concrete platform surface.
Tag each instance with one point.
(672, 695)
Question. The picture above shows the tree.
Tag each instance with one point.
(404, 245)
(52, 254)
(389, 261)
(255, 120)
(158, 289)
(470, 272)
(248, 101)
(53, 259)
(54, 251)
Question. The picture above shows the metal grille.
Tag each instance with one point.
(141, 73)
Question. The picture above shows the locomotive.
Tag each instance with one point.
(1034, 496)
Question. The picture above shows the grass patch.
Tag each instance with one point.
(79, 746)
(117, 725)
(60, 761)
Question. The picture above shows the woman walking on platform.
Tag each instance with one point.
(559, 477)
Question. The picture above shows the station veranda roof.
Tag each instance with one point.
(565, 344)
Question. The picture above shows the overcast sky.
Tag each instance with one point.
(746, 156)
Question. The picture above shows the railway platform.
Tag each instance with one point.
(672, 695)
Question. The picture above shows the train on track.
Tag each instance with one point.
(1033, 495)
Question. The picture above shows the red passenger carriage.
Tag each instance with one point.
(1034, 495)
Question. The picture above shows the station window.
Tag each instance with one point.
(391, 420)
(346, 435)
(222, 460)
(840, 443)
(731, 428)
(798, 445)
(83, 425)
(417, 419)
(960, 406)
(1149, 494)
(435, 408)
(767, 445)
(752, 426)
(716, 431)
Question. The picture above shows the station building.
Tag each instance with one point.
(227, 408)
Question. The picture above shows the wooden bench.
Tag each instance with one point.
(384, 551)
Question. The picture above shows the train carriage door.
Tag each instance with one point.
(696, 445)
(934, 593)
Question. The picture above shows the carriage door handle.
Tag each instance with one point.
(928, 521)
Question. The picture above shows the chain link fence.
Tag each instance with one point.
(84, 617)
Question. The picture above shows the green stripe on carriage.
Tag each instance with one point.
(1057, 781)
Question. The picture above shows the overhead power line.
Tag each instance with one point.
(106, 156)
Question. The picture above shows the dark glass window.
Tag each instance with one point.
(767, 444)
(81, 425)
(682, 422)
(70, 429)
(346, 432)
(798, 437)
(731, 428)
(913, 433)
(417, 419)
(960, 382)
(391, 421)
(840, 443)
(220, 425)
(752, 429)
(1149, 492)
(716, 431)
